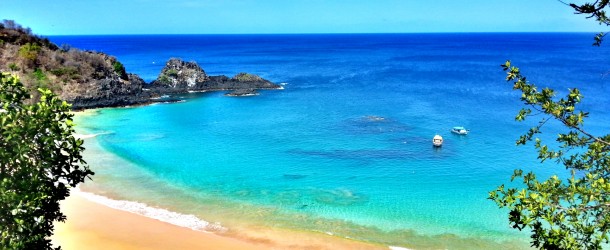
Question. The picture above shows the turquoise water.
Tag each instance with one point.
(345, 148)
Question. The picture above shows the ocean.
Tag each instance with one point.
(345, 148)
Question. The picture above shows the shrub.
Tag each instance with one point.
(29, 51)
(119, 69)
(164, 79)
(39, 75)
(39, 160)
(172, 72)
(13, 67)
(69, 71)
(40, 79)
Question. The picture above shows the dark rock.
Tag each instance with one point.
(178, 77)
(242, 92)
(108, 92)
(175, 78)
(226, 83)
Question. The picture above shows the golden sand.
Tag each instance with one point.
(91, 225)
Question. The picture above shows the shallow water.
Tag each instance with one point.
(345, 148)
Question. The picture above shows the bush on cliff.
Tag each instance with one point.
(119, 69)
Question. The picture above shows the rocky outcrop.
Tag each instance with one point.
(179, 76)
(240, 82)
(242, 92)
(175, 78)
(110, 92)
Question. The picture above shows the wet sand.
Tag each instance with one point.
(91, 225)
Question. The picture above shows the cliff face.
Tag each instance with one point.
(89, 79)
(109, 92)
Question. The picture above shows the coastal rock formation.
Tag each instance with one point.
(243, 92)
(178, 76)
(108, 92)
(240, 81)
(89, 79)
(86, 79)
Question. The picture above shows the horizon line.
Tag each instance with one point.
(330, 33)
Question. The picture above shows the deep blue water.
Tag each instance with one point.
(318, 150)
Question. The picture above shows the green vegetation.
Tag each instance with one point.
(39, 160)
(40, 79)
(29, 52)
(172, 73)
(119, 69)
(246, 77)
(39, 75)
(13, 67)
(562, 214)
(64, 71)
(164, 79)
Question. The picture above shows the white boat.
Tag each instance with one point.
(437, 141)
(459, 130)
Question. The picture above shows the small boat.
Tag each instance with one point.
(460, 130)
(437, 141)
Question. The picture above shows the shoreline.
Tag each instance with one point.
(92, 225)
(240, 226)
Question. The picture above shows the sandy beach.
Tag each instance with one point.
(91, 225)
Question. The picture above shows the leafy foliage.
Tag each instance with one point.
(39, 160)
(29, 51)
(119, 69)
(594, 10)
(562, 214)
(164, 79)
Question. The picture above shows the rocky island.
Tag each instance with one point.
(178, 77)
(88, 79)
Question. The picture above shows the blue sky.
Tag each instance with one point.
(68, 17)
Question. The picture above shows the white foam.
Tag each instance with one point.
(159, 97)
(86, 136)
(182, 220)
(399, 248)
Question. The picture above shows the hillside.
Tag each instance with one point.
(83, 78)
(89, 79)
